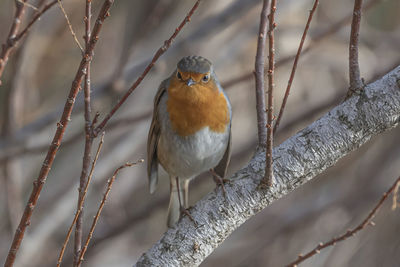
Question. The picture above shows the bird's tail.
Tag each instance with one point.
(174, 210)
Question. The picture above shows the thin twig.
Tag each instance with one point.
(12, 153)
(28, 5)
(267, 181)
(55, 144)
(11, 118)
(152, 19)
(349, 233)
(41, 148)
(156, 56)
(81, 201)
(395, 193)
(103, 201)
(43, 122)
(9, 44)
(33, 20)
(296, 60)
(354, 67)
(13, 39)
(259, 76)
(70, 26)
(88, 138)
(314, 40)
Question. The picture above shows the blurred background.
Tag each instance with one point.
(38, 78)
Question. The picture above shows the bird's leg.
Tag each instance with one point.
(182, 208)
(219, 181)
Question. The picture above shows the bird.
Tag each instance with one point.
(190, 131)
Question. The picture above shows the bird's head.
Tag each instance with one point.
(193, 78)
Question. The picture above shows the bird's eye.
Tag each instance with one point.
(179, 75)
(206, 78)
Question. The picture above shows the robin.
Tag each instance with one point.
(190, 132)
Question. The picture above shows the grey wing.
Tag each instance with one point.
(152, 140)
(222, 166)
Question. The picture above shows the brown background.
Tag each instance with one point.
(41, 71)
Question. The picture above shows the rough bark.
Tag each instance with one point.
(296, 161)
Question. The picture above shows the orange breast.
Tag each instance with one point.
(193, 107)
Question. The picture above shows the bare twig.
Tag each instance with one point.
(48, 118)
(33, 20)
(80, 202)
(41, 148)
(130, 44)
(70, 26)
(349, 233)
(267, 181)
(9, 44)
(126, 122)
(314, 40)
(296, 60)
(14, 36)
(103, 201)
(395, 193)
(354, 67)
(156, 56)
(259, 75)
(28, 5)
(11, 117)
(55, 144)
(88, 139)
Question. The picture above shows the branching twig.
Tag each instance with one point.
(259, 75)
(156, 56)
(152, 19)
(55, 144)
(354, 67)
(296, 59)
(9, 44)
(34, 19)
(88, 139)
(349, 233)
(46, 119)
(28, 5)
(14, 36)
(315, 40)
(81, 201)
(267, 181)
(41, 148)
(103, 201)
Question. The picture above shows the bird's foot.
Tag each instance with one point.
(219, 181)
(187, 213)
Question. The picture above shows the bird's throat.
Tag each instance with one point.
(192, 109)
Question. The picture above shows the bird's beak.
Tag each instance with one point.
(190, 82)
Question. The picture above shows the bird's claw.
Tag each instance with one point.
(187, 213)
(219, 181)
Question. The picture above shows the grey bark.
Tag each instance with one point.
(296, 161)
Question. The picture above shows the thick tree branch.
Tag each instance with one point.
(296, 161)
